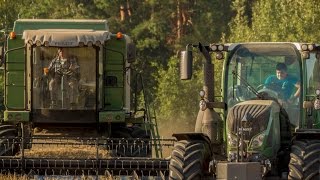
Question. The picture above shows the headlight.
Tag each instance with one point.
(304, 47)
(310, 47)
(219, 55)
(202, 93)
(213, 47)
(203, 105)
(220, 47)
(258, 140)
(232, 140)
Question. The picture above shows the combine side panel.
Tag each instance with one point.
(114, 74)
(14, 76)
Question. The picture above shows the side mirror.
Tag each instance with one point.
(131, 53)
(186, 65)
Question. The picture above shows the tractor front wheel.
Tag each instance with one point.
(190, 160)
(305, 160)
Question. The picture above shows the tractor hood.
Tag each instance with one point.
(253, 116)
(65, 37)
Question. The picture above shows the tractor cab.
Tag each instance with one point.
(65, 74)
(63, 71)
(265, 71)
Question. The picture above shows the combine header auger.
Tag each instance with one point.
(267, 123)
(67, 83)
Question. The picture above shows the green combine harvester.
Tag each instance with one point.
(74, 79)
(256, 130)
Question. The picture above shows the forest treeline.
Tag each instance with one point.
(161, 29)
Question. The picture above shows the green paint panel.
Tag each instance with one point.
(112, 116)
(15, 78)
(113, 45)
(114, 98)
(17, 116)
(114, 66)
(15, 55)
(15, 75)
(15, 58)
(15, 97)
(116, 71)
(114, 58)
(15, 66)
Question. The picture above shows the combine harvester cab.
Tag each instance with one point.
(258, 129)
(68, 84)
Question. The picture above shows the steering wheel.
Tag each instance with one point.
(267, 91)
(261, 86)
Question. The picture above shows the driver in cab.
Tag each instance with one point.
(284, 84)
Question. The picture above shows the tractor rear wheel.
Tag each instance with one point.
(136, 142)
(305, 160)
(9, 146)
(190, 160)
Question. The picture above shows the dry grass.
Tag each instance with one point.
(86, 152)
(25, 177)
(13, 177)
(48, 148)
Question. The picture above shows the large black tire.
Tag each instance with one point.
(9, 146)
(190, 160)
(136, 142)
(305, 160)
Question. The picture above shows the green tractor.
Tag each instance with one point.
(257, 130)
(72, 76)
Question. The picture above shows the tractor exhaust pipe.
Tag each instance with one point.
(208, 120)
(208, 74)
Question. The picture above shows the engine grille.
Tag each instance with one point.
(254, 119)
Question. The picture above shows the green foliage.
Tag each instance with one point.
(55, 9)
(276, 20)
(161, 29)
(239, 25)
(177, 100)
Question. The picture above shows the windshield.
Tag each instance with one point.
(263, 69)
(313, 75)
(64, 78)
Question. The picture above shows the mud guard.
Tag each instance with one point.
(307, 134)
(192, 136)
